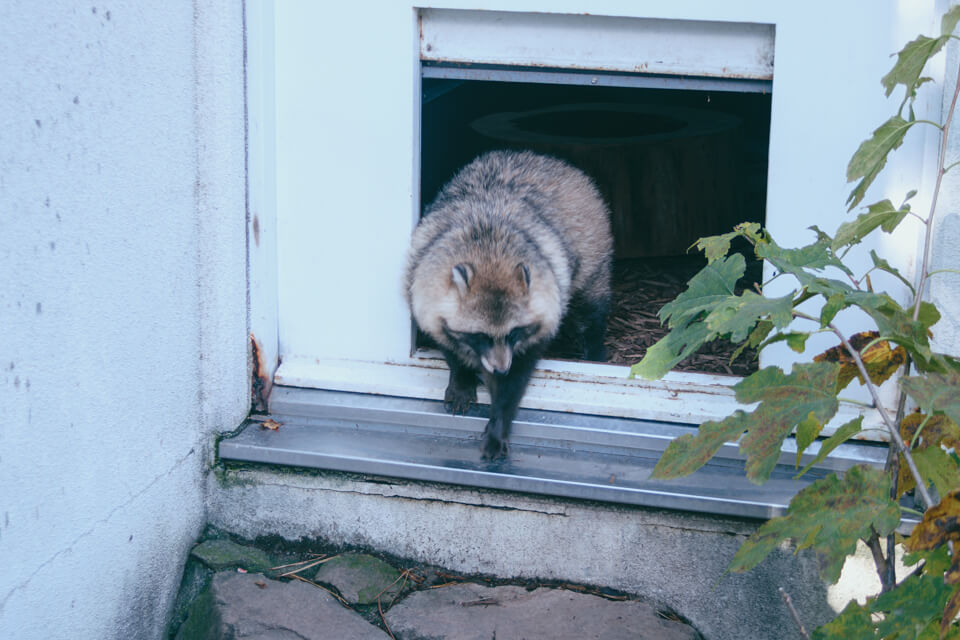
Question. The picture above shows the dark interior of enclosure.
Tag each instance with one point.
(674, 165)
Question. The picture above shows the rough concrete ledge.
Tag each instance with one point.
(676, 559)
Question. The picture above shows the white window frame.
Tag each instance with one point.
(333, 98)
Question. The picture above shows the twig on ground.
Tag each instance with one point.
(320, 586)
(793, 612)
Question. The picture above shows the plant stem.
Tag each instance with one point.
(928, 239)
(891, 427)
(875, 394)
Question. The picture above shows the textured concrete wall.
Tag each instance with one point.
(674, 558)
(944, 288)
(122, 304)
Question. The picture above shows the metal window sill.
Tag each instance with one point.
(560, 454)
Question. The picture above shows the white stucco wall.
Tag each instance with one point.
(123, 312)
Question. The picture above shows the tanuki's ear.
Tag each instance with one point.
(461, 275)
(523, 274)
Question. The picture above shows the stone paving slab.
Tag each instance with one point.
(360, 578)
(250, 606)
(475, 612)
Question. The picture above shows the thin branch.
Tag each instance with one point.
(881, 563)
(928, 238)
(875, 394)
(793, 612)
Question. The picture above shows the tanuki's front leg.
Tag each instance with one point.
(506, 390)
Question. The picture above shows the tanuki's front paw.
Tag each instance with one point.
(457, 400)
(494, 447)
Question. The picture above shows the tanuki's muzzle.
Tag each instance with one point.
(497, 359)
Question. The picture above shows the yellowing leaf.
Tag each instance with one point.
(934, 464)
(828, 516)
(940, 524)
(880, 360)
(785, 401)
(936, 393)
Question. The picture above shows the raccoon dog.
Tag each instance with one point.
(512, 243)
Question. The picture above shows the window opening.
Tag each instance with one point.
(675, 158)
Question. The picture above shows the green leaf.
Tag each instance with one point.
(831, 308)
(872, 154)
(671, 349)
(879, 214)
(716, 247)
(929, 314)
(840, 436)
(763, 328)
(738, 315)
(911, 607)
(853, 623)
(796, 340)
(913, 58)
(829, 516)
(883, 265)
(689, 452)
(817, 256)
(935, 393)
(894, 322)
(785, 401)
(936, 466)
(948, 23)
(713, 284)
(807, 431)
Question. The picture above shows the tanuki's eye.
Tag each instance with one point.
(519, 334)
(479, 342)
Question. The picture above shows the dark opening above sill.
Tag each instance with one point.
(558, 454)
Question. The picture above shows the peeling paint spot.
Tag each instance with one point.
(38, 123)
(76, 99)
(39, 308)
(107, 15)
(260, 384)
(94, 10)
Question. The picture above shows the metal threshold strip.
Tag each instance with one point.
(558, 454)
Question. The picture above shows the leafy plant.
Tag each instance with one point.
(832, 514)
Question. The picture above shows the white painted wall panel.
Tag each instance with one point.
(347, 130)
